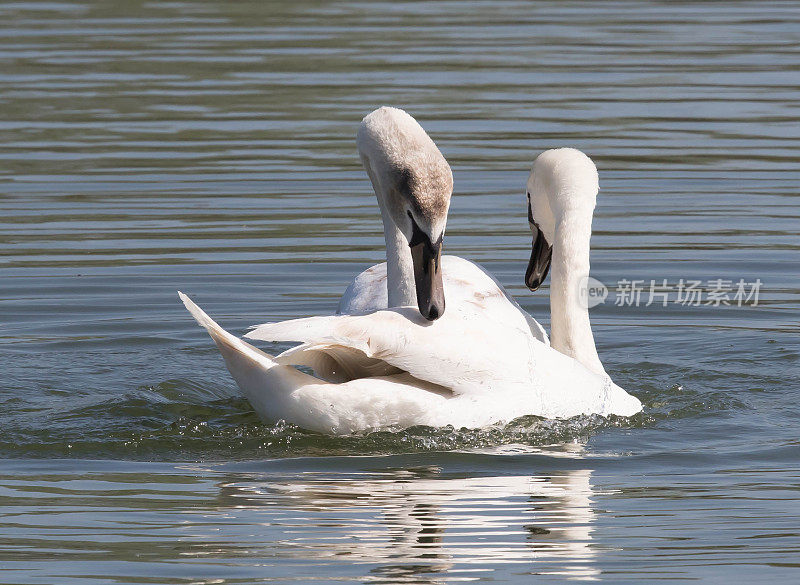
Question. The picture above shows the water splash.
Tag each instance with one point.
(183, 419)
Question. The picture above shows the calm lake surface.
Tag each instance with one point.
(210, 147)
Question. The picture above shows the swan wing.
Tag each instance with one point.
(336, 363)
(280, 392)
(466, 355)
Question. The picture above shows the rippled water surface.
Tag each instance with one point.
(209, 147)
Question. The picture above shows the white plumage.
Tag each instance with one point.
(464, 282)
(483, 361)
(450, 374)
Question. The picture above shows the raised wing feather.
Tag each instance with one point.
(336, 363)
(457, 351)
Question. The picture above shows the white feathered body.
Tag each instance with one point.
(392, 369)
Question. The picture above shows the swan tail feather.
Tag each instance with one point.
(225, 341)
(275, 391)
(280, 392)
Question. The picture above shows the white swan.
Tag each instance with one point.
(395, 368)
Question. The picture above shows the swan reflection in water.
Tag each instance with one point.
(425, 525)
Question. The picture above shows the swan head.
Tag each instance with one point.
(563, 182)
(413, 183)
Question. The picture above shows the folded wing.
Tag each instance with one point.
(465, 355)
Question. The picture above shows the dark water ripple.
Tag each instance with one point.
(189, 420)
(209, 147)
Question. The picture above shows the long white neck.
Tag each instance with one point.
(399, 266)
(571, 332)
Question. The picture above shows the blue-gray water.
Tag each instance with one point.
(209, 147)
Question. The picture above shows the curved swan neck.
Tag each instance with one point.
(399, 266)
(571, 331)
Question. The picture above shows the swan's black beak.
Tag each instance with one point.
(539, 264)
(427, 259)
